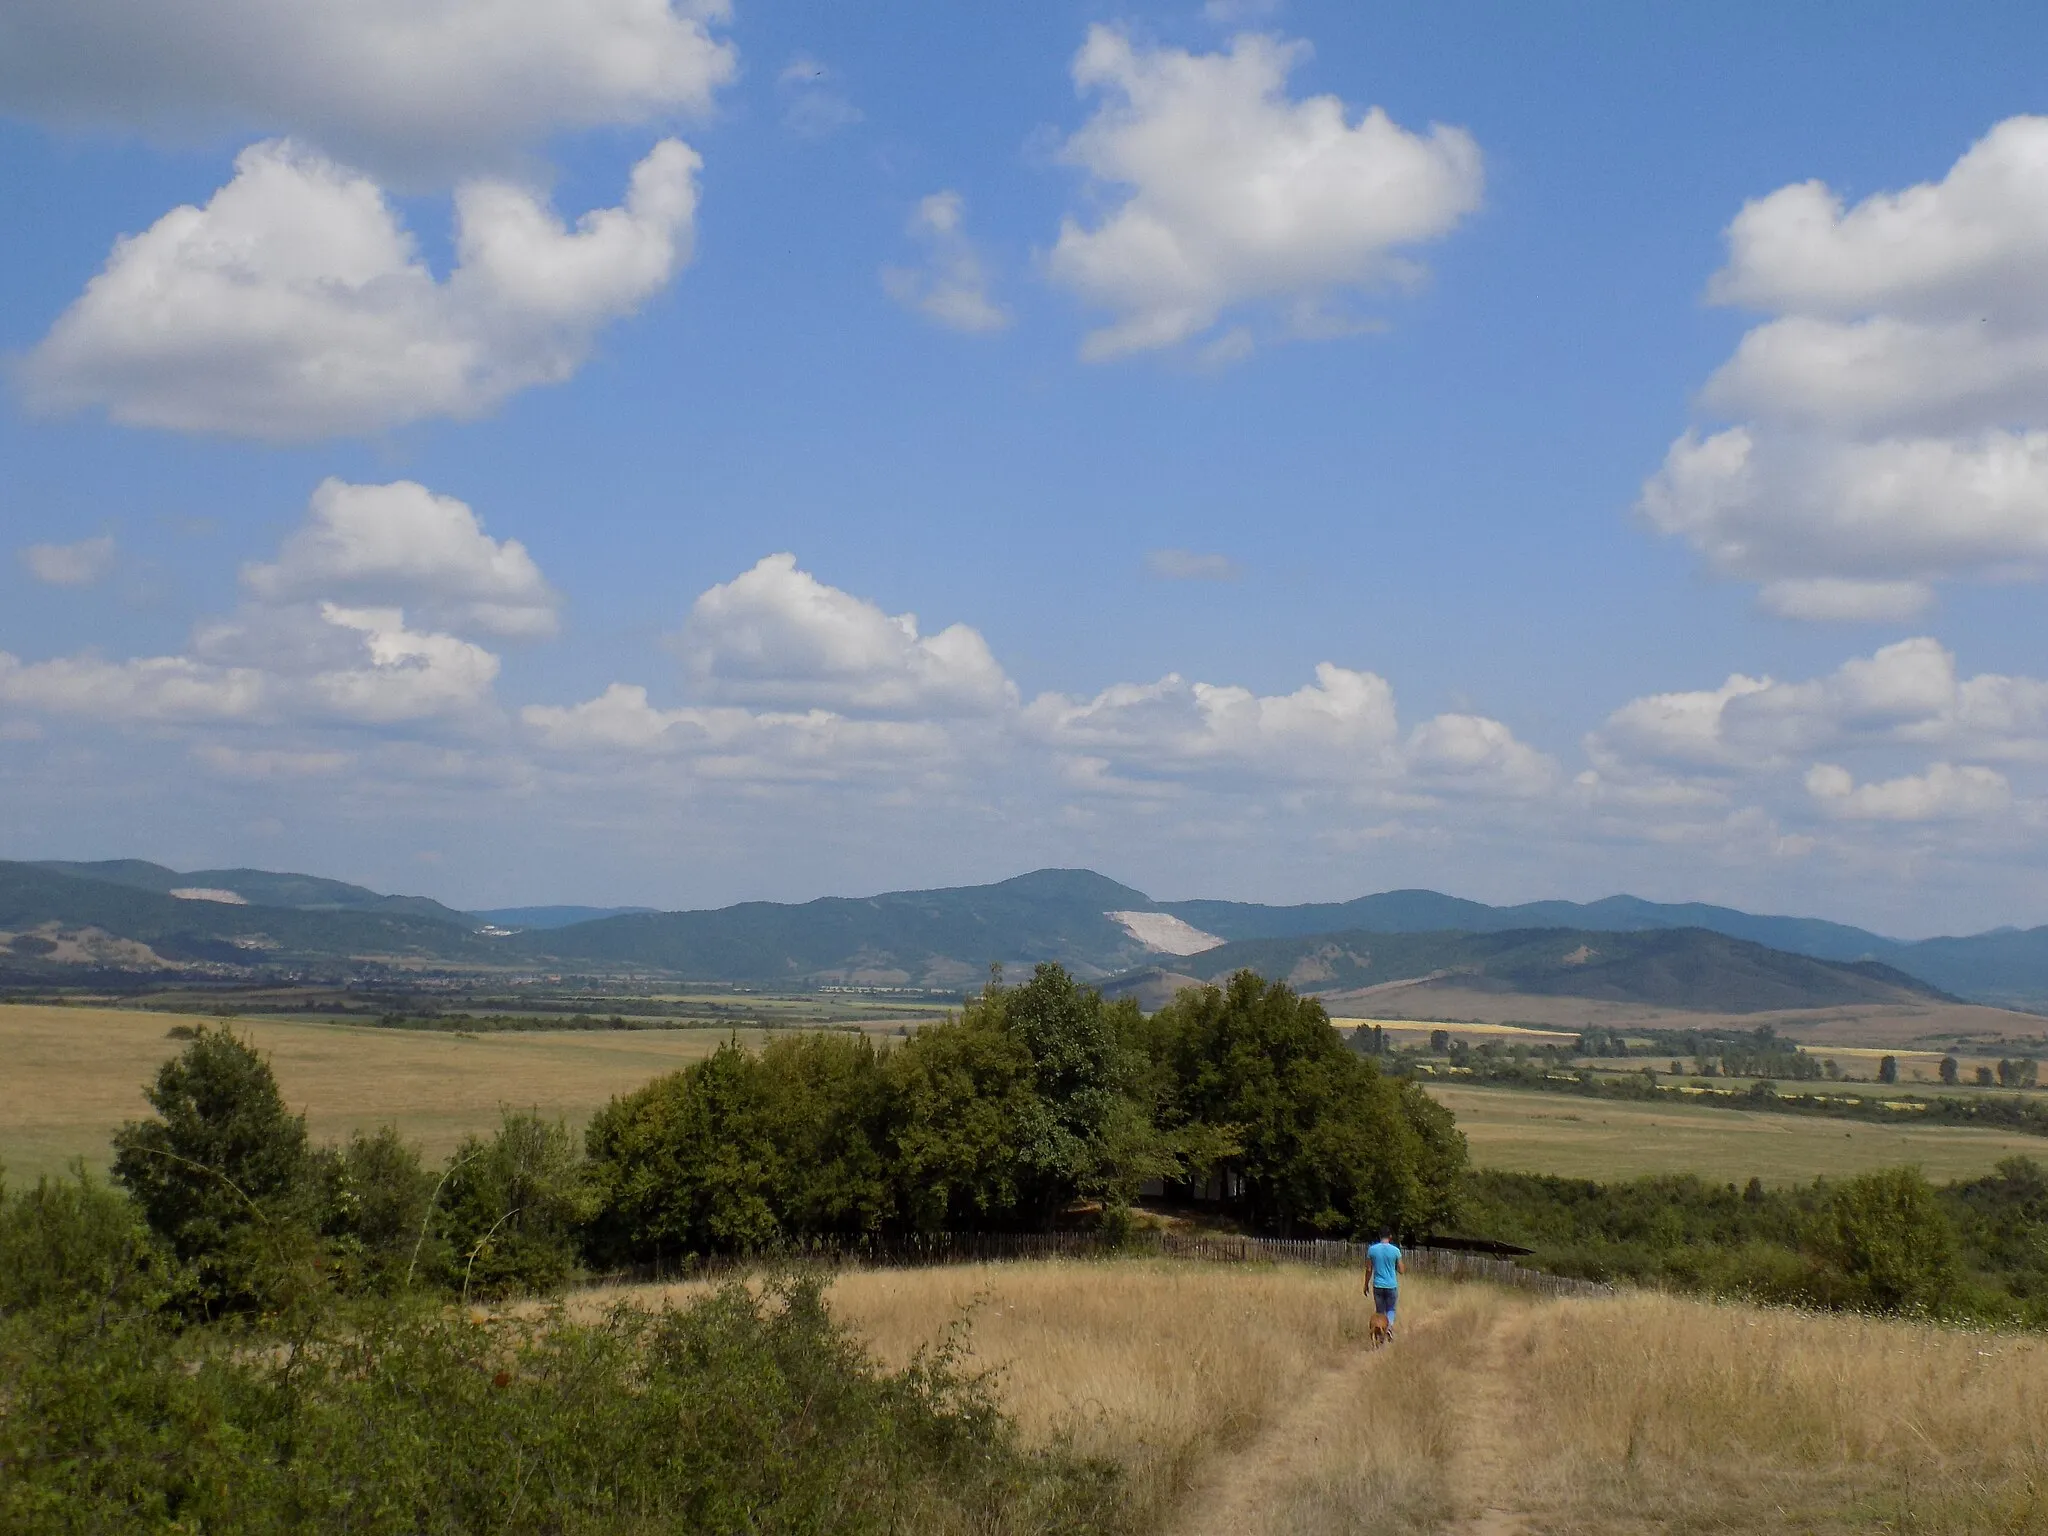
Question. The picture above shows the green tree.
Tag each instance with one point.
(1326, 1141)
(1951, 1071)
(1887, 1236)
(376, 1215)
(1090, 1135)
(1888, 1070)
(743, 1152)
(222, 1173)
(963, 1101)
(513, 1208)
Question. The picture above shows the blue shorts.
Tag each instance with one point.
(1383, 1299)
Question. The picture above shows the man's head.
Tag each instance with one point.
(1386, 1234)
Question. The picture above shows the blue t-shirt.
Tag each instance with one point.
(1384, 1257)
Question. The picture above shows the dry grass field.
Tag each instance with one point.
(1932, 1025)
(1526, 1131)
(69, 1076)
(1244, 1401)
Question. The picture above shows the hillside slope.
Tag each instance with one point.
(942, 938)
(258, 887)
(49, 918)
(1433, 912)
(1676, 968)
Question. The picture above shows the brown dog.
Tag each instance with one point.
(1382, 1330)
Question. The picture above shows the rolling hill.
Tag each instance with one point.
(257, 887)
(1433, 912)
(52, 920)
(1689, 968)
(943, 938)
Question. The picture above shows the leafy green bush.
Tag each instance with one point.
(1039, 1100)
(744, 1413)
(1890, 1242)
(75, 1244)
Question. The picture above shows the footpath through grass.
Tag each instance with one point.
(1201, 1382)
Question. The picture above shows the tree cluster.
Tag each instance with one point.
(1038, 1101)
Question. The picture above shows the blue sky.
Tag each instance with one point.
(1296, 388)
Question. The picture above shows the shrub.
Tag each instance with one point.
(1071, 1079)
(75, 1244)
(1889, 1240)
(744, 1413)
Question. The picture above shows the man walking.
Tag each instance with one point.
(1387, 1270)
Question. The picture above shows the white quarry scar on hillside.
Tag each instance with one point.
(1163, 933)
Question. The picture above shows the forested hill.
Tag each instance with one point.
(56, 922)
(1434, 912)
(940, 938)
(257, 887)
(1676, 967)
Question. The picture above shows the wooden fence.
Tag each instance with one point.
(998, 1247)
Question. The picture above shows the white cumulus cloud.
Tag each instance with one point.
(776, 635)
(412, 87)
(730, 743)
(294, 306)
(1231, 191)
(403, 541)
(951, 287)
(1944, 792)
(1887, 426)
(361, 666)
(1901, 694)
(70, 565)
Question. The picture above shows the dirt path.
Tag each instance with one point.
(1481, 1469)
(1236, 1493)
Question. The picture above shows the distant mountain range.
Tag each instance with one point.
(55, 916)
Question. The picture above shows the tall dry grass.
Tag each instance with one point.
(1701, 1416)
(1242, 1400)
(1156, 1365)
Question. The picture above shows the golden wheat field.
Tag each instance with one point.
(1245, 1401)
(70, 1076)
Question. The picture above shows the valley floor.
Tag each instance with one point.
(1519, 1130)
(1245, 1401)
(74, 1074)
